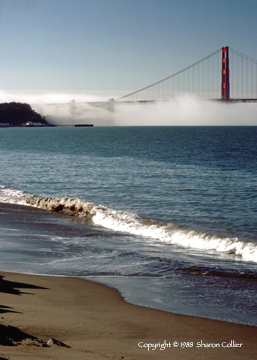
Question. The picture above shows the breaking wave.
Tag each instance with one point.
(13, 196)
(162, 231)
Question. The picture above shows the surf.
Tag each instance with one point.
(159, 231)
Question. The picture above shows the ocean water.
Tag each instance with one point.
(167, 215)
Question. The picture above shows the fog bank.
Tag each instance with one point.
(187, 110)
(82, 107)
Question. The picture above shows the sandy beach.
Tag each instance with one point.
(68, 318)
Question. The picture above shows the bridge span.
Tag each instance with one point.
(225, 74)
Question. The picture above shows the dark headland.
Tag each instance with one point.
(15, 114)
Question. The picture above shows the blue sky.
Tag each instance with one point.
(115, 44)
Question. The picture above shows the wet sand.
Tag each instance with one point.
(68, 318)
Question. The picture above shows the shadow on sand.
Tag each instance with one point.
(10, 335)
(11, 287)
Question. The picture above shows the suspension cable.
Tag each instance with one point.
(171, 76)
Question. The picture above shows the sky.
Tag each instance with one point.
(56, 51)
(99, 45)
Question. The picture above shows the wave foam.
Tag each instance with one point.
(133, 224)
(13, 196)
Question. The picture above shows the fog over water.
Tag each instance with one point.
(77, 107)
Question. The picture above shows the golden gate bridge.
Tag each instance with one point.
(225, 74)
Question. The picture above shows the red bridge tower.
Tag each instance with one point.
(225, 75)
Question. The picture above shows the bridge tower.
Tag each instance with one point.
(225, 74)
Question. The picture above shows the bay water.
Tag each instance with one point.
(167, 215)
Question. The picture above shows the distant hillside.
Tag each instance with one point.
(18, 114)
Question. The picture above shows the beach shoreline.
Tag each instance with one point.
(65, 317)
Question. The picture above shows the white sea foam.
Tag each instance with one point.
(164, 232)
(13, 196)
